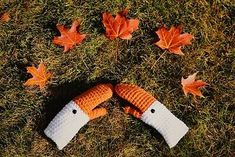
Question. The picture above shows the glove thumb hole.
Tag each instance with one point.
(99, 112)
(132, 111)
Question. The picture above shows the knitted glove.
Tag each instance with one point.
(152, 112)
(77, 113)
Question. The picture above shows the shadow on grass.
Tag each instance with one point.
(154, 133)
(60, 96)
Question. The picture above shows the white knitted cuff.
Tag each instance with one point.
(66, 124)
(169, 126)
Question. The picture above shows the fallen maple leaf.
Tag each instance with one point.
(40, 76)
(172, 39)
(69, 37)
(5, 17)
(191, 86)
(119, 26)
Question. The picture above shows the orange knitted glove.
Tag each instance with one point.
(88, 100)
(77, 113)
(152, 112)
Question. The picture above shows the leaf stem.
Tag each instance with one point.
(117, 50)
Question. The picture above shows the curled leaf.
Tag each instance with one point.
(190, 85)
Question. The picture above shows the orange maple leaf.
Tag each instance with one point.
(40, 76)
(69, 37)
(191, 86)
(5, 17)
(172, 39)
(119, 26)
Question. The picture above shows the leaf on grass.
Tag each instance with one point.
(173, 40)
(69, 37)
(40, 76)
(5, 17)
(191, 86)
(119, 26)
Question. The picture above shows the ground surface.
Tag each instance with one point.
(27, 39)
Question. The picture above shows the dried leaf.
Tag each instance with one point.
(173, 40)
(119, 26)
(5, 17)
(40, 76)
(69, 37)
(191, 86)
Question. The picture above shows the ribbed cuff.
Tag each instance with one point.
(66, 124)
(168, 125)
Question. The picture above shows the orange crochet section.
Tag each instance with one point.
(132, 111)
(88, 100)
(135, 95)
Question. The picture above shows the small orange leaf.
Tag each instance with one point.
(119, 26)
(5, 17)
(192, 86)
(69, 37)
(40, 76)
(172, 39)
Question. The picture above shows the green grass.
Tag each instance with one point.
(27, 39)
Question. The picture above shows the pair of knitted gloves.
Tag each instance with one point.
(82, 109)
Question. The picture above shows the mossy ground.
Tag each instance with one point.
(27, 39)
